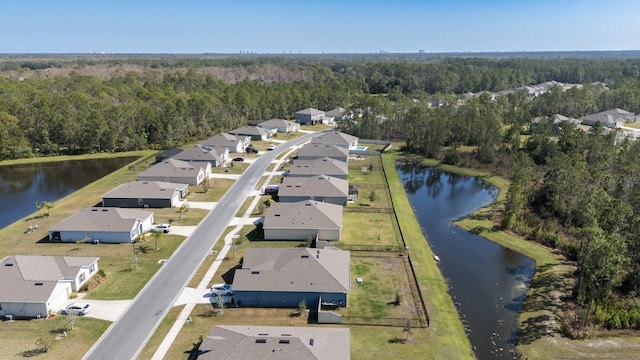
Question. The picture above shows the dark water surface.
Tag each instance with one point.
(487, 281)
(21, 186)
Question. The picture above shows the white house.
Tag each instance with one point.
(35, 286)
(106, 225)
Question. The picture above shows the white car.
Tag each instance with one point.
(76, 309)
(272, 147)
(221, 289)
(165, 228)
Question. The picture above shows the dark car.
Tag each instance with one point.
(251, 150)
(238, 159)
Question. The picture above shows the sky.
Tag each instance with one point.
(309, 26)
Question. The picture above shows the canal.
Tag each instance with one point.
(21, 186)
(486, 281)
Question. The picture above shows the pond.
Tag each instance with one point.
(21, 186)
(486, 281)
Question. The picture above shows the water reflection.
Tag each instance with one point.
(487, 282)
(21, 186)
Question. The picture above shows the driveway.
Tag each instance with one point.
(110, 310)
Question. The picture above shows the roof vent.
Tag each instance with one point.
(263, 334)
(8, 264)
(285, 335)
(94, 209)
(39, 284)
(276, 215)
(284, 341)
(255, 272)
(261, 341)
(305, 256)
(311, 341)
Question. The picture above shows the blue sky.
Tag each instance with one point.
(330, 26)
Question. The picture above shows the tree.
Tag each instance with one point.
(302, 306)
(372, 196)
(40, 206)
(71, 319)
(406, 328)
(48, 205)
(157, 235)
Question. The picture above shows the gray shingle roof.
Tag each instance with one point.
(294, 270)
(18, 280)
(200, 152)
(275, 342)
(172, 168)
(321, 166)
(323, 150)
(310, 111)
(101, 219)
(223, 139)
(145, 189)
(314, 186)
(280, 123)
(335, 138)
(304, 215)
(250, 131)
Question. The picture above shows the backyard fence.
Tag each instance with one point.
(383, 321)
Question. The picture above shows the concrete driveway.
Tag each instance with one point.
(110, 310)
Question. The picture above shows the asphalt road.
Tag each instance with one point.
(126, 337)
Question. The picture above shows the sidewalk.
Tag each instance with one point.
(200, 295)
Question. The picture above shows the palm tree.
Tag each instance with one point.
(157, 235)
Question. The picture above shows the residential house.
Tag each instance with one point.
(308, 219)
(611, 118)
(253, 132)
(275, 342)
(336, 114)
(319, 151)
(310, 116)
(176, 171)
(321, 166)
(36, 286)
(167, 154)
(283, 277)
(280, 125)
(321, 188)
(336, 138)
(104, 225)
(145, 194)
(557, 120)
(216, 156)
(235, 144)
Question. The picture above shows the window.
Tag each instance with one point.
(81, 278)
(92, 268)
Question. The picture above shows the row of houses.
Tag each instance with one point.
(609, 120)
(310, 207)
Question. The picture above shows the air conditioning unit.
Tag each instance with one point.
(8, 317)
(96, 241)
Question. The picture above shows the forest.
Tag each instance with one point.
(572, 190)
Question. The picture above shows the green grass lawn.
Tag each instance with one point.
(369, 229)
(633, 125)
(217, 188)
(19, 337)
(383, 278)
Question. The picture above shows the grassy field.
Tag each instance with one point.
(19, 337)
(369, 229)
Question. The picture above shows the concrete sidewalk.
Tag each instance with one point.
(190, 297)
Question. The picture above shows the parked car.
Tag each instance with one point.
(221, 289)
(165, 228)
(238, 159)
(272, 147)
(251, 150)
(77, 308)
